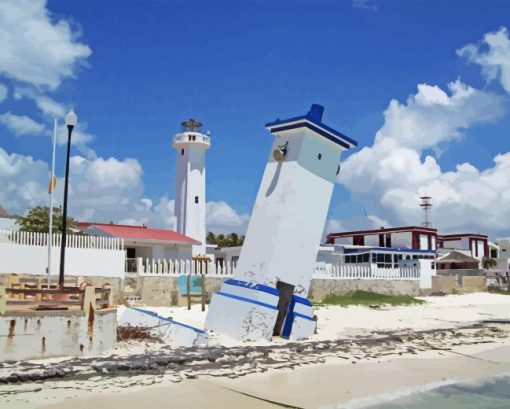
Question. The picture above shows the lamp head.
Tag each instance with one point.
(280, 152)
(71, 118)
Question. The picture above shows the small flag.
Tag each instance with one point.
(52, 184)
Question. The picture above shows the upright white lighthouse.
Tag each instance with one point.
(191, 145)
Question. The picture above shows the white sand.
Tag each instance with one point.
(335, 321)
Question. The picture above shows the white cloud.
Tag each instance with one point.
(364, 4)
(21, 124)
(394, 171)
(47, 105)
(378, 222)
(36, 48)
(3, 92)
(23, 180)
(222, 218)
(493, 55)
(431, 116)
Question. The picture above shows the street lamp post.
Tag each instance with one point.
(71, 120)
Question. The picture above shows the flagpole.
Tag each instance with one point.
(50, 191)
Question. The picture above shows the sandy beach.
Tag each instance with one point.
(359, 356)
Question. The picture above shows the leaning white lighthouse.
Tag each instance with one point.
(191, 145)
(267, 294)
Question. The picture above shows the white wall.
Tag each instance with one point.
(27, 259)
(372, 240)
(424, 242)
(343, 240)
(7, 223)
(402, 239)
(456, 244)
(481, 249)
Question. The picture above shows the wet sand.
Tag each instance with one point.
(330, 385)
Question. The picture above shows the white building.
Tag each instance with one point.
(143, 244)
(500, 251)
(476, 244)
(190, 200)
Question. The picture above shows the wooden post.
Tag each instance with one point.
(89, 298)
(3, 300)
(188, 285)
(202, 284)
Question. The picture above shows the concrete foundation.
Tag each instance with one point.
(163, 291)
(42, 334)
(320, 288)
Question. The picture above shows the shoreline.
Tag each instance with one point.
(358, 353)
(316, 374)
(331, 385)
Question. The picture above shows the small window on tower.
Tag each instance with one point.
(182, 152)
(319, 156)
(196, 199)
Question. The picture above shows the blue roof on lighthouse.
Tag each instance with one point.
(313, 121)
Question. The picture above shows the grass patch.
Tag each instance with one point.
(497, 290)
(369, 298)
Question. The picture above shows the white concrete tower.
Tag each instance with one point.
(268, 292)
(292, 203)
(191, 145)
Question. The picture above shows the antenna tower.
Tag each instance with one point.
(426, 205)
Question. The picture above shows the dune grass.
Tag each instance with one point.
(368, 298)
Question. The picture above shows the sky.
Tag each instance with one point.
(424, 87)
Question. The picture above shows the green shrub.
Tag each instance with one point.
(369, 298)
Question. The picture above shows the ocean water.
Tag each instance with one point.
(493, 393)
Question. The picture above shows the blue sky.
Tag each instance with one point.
(238, 65)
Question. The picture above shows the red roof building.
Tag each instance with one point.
(144, 242)
(138, 233)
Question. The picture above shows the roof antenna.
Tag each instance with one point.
(426, 205)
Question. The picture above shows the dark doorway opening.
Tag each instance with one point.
(286, 292)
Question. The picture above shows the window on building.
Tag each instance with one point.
(494, 253)
(319, 156)
(388, 240)
(366, 257)
(196, 199)
(381, 240)
(182, 152)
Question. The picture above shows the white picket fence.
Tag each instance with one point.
(162, 267)
(73, 240)
(368, 272)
